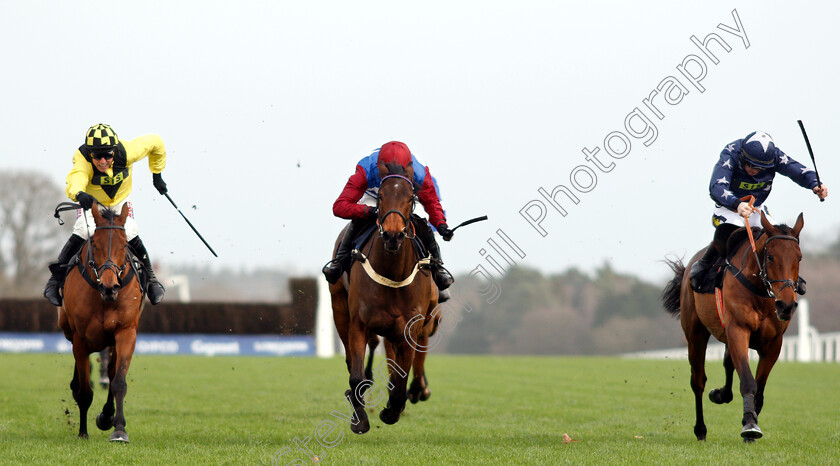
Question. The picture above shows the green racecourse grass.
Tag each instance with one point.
(483, 410)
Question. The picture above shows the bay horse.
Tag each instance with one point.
(103, 300)
(759, 299)
(385, 299)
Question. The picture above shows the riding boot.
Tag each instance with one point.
(335, 268)
(154, 289)
(443, 279)
(800, 285)
(59, 269)
(701, 267)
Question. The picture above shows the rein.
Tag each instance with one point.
(410, 234)
(761, 263)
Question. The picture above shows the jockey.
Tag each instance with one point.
(747, 167)
(102, 169)
(357, 203)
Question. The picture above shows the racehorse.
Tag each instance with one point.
(103, 300)
(759, 298)
(386, 292)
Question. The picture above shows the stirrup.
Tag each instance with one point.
(332, 271)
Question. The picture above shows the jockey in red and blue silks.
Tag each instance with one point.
(747, 167)
(357, 202)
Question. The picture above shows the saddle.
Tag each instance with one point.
(714, 277)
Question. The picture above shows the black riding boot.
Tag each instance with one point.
(700, 268)
(154, 289)
(443, 279)
(334, 268)
(59, 271)
(800, 285)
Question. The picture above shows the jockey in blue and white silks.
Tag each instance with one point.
(746, 167)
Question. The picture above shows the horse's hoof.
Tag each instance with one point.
(751, 431)
(719, 396)
(103, 423)
(749, 440)
(119, 436)
(389, 416)
(413, 397)
(360, 427)
(425, 394)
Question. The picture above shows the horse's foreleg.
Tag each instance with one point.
(738, 339)
(768, 359)
(82, 392)
(105, 419)
(697, 342)
(399, 367)
(724, 394)
(356, 357)
(373, 342)
(419, 388)
(124, 350)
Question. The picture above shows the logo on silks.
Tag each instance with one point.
(751, 186)
(717, 220)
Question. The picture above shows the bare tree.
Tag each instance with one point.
(29, 235)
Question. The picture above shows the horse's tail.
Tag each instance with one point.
(671, 294)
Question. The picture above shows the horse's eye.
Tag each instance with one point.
(770, 258)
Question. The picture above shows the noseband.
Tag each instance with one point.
(381, 217)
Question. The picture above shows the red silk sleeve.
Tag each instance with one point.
(431, 202)
(347, 205)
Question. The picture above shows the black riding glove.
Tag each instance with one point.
(160, 185)
(85, 200)
(371, 212)
(444, 231)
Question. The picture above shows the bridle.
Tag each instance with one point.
(108, 264)
(762, 270)
(407, 230)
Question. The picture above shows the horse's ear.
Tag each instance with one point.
(97, 215)
(409, 171)
(797, 227)
(123, 214)
(383, 169)
(768, 227)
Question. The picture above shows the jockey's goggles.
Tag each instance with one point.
(102, 155)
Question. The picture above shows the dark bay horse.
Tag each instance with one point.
(385, 292)
(759, 299)
(102, 305)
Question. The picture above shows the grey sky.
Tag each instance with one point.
(265, 107)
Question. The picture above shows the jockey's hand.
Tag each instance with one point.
(85, 200)
(160, 185)
(371, 212)
(821, 191)
(444, 231)
(745, 210)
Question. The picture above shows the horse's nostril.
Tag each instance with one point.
(400, 236)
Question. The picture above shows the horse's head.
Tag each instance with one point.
(109, 255)
(781, 264)
(395, 204)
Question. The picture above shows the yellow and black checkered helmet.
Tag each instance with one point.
(101, 137)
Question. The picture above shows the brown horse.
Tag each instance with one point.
(384, 299)
(102, 305)
(759, 300)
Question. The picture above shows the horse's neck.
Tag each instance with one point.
(749, 260)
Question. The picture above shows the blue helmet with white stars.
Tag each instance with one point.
(758, 150)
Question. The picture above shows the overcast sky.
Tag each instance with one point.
(265, 108)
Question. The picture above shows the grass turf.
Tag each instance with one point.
(483, 410)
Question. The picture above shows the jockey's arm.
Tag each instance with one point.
(79, 176)
(347, 205)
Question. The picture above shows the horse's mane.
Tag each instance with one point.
(784, 228)
(109, 215)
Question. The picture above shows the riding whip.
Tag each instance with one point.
(808, 143)
(190, 224)
(470, 221)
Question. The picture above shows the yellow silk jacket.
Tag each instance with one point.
(112, 187)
